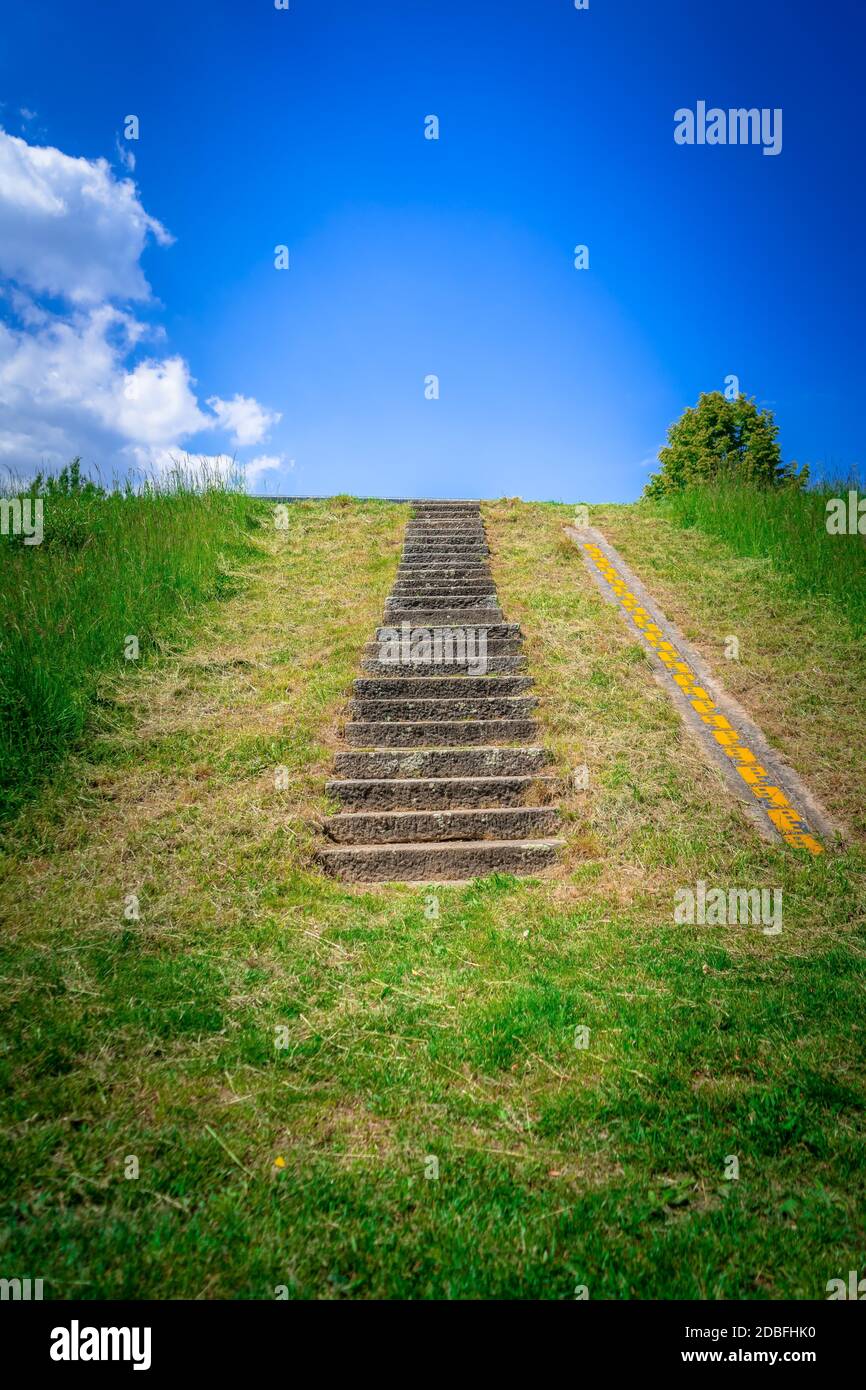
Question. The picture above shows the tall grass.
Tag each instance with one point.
(128, 563)
(786, 527)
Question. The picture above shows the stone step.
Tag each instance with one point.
(446, 504)
(495, 631)
(462, 823)
(452, 601)
(451, 541)
(475, 707)
(482, 597)
(391, 652)
(419, 616)
(434, 530)
(477, 598)
(439, 688)
(443, 574)
(439, 863)
(494, 664)
(435, 793)
(446, 578)
(442, 559)
(442, 586)
(438, 733)
(483, 587)
(426, 763)
(415, 598)
(441, 545)
(428, 524)
(435, 579)
(454, 561)
(431, 535)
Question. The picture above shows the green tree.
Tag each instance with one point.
(723, 438)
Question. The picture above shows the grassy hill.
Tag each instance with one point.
(348, 1092)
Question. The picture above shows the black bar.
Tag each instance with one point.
(267, 1338)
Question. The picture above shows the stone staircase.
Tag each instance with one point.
(444, 779)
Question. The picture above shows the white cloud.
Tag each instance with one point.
(266, 463)
(247, 421)
(125, 155)
(68, 227)
(156, 402)
(65, 389)
(75, 382)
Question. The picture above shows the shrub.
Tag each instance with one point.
(720, 438)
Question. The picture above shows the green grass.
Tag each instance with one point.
(412, 1037)
(787, 528)
(110, 567)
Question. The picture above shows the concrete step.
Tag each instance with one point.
(384, 648)
(437, 793)
(442, 559)
(432, 529)
(445, 617)
(480, 562)
(466, 654)
(451, 601)
(438, 733)
(441, 545)
(446, 521)
(457, 597)
(480, 597)
(433, 534)
(446, 504)
(463, 823)
(444, 540)
(425, 763)
(453, 561)
(438, 863)
(443, 574)
(447, 578)
(443, 586)
(494, 664)
(495, 631)
(478, 707)
(439, 688)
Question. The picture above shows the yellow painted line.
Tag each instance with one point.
(790, 823)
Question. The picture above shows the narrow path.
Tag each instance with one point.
(778, 801)
(445, 763)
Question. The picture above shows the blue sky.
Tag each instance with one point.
(412, 257)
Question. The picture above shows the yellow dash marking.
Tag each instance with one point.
(791, 825)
